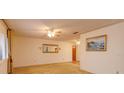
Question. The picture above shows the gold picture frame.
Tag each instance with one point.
(50, 48)
(98, 43)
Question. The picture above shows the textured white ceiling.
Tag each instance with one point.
(38, 27)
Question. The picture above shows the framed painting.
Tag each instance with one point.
(50, 48)
(98, 43)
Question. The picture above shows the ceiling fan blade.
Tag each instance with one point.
(57, 35)
(59, 32)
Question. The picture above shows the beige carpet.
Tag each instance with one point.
(58, 68)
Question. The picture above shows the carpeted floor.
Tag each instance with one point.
(57, 68)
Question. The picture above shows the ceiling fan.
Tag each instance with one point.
(53, 33)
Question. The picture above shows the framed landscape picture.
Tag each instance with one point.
(98, 43)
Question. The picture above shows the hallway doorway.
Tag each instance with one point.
(74, 54)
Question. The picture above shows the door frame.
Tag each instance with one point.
(9, 65)
(74, 59)
(10, 61)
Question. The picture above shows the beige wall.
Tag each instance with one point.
(78, 52)
(111, 61)
(26, 52)
(3, 63)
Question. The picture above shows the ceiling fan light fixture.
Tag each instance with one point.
(78, 42)
(51, 34)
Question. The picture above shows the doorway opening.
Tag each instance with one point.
(74, 50)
